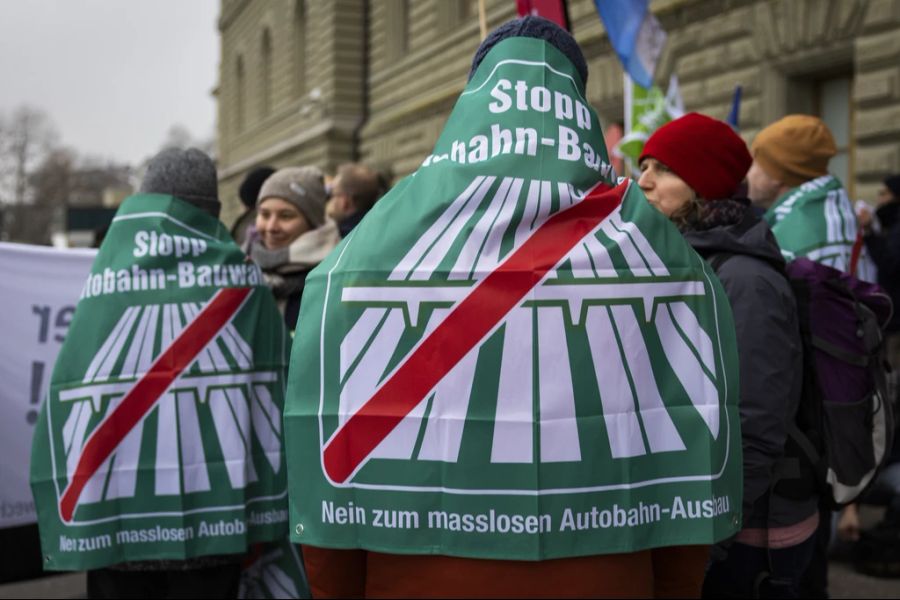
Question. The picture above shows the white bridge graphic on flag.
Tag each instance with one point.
(593, 297)
(222, 376)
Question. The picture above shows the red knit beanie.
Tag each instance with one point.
(706, 153)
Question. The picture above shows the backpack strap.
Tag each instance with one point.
(839, 353)
(788, 467)
(856, 252)
(803, 443)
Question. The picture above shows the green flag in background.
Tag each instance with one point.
(161, 435)
(816, 220)
(512, 356)
(646, 110)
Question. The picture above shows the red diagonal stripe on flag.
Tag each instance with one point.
(466, 325)
(148, 389)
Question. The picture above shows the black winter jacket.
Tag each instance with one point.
(769, 348)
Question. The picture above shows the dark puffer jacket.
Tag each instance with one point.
(885, 251)
(769, 346)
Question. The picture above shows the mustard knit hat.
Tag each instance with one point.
(795, 149)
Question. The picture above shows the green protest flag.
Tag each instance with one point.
(816, 220)
(161, 434)
(513, 356)
(646, 110)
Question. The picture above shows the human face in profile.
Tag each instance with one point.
(665, 190)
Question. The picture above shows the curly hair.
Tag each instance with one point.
(689, 214)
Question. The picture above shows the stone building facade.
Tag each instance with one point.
(328, 81)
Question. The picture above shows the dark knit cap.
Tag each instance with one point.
(186, 174)
(535, 27)
(892, 183)
(249, 190)
(706, 153)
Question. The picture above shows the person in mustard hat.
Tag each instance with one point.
(811, 215)
(806, 206)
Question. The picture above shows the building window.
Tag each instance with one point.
(240, 95)
(835, 107)
(265, 73)
(299, 74)
(451, 14)
(829, 96)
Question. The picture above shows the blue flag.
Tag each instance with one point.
(635, 35)
(734, 116)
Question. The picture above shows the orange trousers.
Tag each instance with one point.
(673, 572)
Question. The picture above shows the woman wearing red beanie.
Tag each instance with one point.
(690, 171)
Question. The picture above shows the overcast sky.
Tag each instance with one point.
(113, 75)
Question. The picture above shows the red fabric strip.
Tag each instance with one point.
(148, 389)
(466, 325)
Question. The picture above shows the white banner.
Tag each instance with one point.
(39, 288)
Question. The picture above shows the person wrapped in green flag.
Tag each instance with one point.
(157, 458)
(514, 377)
(806, 207)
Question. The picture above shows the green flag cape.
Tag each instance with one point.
(161, 435)
(816, 220)
(511, 358)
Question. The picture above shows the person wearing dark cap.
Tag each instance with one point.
(690, 168)
(367, 566)
(244, 227)
(293, 234)
(806, 207)
(187, 174)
